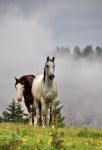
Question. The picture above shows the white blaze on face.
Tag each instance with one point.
(50, 68)
(20, 89)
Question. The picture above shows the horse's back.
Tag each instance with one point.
(38, 79)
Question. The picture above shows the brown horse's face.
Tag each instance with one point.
(20, 88)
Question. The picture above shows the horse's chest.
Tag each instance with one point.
(49, 94)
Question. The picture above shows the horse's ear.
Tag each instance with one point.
(48, 58)
(16, 79)
(53, 58)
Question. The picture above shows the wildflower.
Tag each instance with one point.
(49, 142)
(85, 141)
(38, 141)
(35, 147)
(24, 140)
(18, 148)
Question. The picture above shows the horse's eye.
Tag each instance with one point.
(54, 66)
(47, 66)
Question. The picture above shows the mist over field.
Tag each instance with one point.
(31, 30)
(81, 90)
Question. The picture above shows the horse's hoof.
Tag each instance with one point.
(30, 123)
(52, 126)
(35, 126)
(43, 126)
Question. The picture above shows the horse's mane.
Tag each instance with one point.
(44, 75)
(27, 81)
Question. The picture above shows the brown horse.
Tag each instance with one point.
(23, 86)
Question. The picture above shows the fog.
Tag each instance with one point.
(80, 89)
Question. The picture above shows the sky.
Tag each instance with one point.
(31, 30)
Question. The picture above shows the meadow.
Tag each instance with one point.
(26, 137)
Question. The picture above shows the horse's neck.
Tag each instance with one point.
(48, 82)
(27, 91)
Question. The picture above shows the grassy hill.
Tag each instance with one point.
(26, 137)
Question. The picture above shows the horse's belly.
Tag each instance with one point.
(36, 94)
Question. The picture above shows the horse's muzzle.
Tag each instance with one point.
(52, 76)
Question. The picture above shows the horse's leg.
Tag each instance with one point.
(48, 112)
(51, 113)
(36, 115)
(40, 120)
(43, 112)
(29, 112)
(33, 113)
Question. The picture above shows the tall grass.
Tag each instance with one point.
(26, 137)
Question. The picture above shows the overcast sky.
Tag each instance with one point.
(31, 30)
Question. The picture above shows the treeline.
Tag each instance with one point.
(87, 52)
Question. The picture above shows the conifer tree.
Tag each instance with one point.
(13, 112)
(19, 112)
(56, 111)
(1, 119)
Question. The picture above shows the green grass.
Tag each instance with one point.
(26, 137)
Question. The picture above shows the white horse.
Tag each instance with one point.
(44, 89)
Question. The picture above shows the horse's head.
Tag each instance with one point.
(50, 68)
(19, 84)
